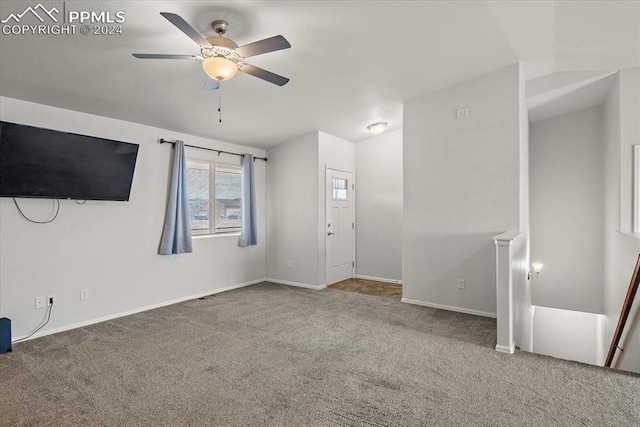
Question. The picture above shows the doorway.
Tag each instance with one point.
(339, 235)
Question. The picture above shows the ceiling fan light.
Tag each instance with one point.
(219, 68)
(377, 128)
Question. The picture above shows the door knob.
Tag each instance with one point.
(330, 234)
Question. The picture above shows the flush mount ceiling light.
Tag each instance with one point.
(377, 128)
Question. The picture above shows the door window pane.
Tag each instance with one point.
(340, 190)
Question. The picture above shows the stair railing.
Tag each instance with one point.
(624, 314)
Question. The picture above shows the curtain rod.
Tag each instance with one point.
(164, 141)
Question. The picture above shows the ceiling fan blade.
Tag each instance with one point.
(263, 46)
(186, 28)
(160, 56)
(264, 74)
(211, 84)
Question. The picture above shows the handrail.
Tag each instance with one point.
(624, 314)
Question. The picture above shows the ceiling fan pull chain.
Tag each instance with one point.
(220, 103)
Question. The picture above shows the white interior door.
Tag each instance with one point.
(340, 226)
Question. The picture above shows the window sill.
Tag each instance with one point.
(207, 236)
(633, 234)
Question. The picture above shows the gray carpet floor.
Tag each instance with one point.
(282, 356)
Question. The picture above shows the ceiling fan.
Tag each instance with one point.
(221, 57)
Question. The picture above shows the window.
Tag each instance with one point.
(214, 192)
(340, 191)
(636, 188)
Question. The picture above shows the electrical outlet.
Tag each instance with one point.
(290, 264)
(84, 294)
(40, 303)
(462, 113)
(461, 284)
(51, 299)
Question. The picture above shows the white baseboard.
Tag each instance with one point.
(299, 285)
(379, 279)
(450, 308)
(138, 310)
(508, 350)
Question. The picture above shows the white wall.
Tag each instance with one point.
(461, 188)
(629, 87)
(567, 334)
(334, 153)
(379, 206)
(567, 210)
(111, 248)
(522, 309)
(622, 130)
(296, 206)
(292, 211)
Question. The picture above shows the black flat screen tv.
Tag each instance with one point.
(36, 162)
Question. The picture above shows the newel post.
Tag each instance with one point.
(504, 292)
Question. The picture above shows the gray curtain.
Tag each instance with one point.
(249, 231)
(176, 235)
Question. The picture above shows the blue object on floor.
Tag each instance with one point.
(5, 335)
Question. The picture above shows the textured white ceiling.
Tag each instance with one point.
(351, 62)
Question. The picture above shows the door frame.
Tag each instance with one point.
(327, 170)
